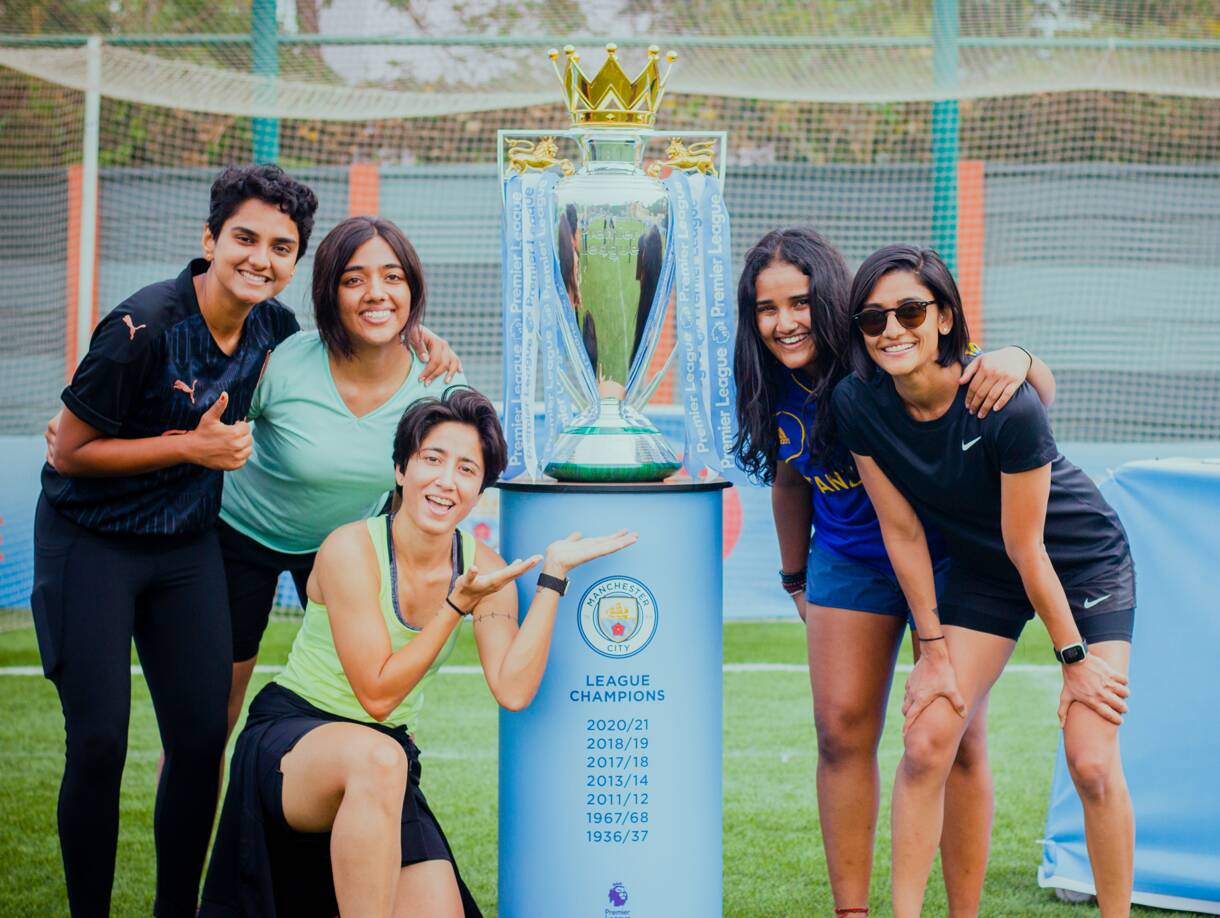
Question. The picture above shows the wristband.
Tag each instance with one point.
(455, 608)
(793, 582)
(558, 584)
(927, 640)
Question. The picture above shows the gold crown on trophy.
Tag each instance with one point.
(611, 98)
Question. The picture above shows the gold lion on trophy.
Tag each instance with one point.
(678, 155)
(524, 154)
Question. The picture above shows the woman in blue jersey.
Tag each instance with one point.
(323, 418)
(124, 536)
(1028, 533)
(324, 813)
(792, 335)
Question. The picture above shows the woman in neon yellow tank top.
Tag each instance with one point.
(324, 813)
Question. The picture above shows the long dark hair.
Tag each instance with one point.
(933, 273)
(760, 377)
(331, 261)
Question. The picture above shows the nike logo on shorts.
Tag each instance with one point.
(966, 446)
(1090, 603)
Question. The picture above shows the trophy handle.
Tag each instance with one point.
(646, 392)
(520, 151)
(693, 151)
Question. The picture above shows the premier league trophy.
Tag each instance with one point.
(610, 781)
(595, 257)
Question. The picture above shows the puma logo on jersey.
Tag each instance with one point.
(1090, 603)
(132, 328)
(966, 446)
(180, 386)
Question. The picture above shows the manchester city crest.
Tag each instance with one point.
(618, 616)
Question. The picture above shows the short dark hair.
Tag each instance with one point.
(269, 184)
(760, 377)
(335, 252)
(931, 271)
(459, 405)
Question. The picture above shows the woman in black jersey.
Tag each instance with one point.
(124, 534)
(1028, 533)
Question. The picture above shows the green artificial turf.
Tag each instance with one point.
(773, 860)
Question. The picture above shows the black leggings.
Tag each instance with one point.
(93, 593)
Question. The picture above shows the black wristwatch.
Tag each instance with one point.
(558, 584)
(1072, 653)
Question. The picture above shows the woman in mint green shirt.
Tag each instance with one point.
(324, 416)
(324, 814)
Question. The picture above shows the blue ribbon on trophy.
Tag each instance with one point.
(707, 321)
(559, 402)
(520, 331)
(533, 314)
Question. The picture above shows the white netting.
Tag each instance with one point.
(1083, 197)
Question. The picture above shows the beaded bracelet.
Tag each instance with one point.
(793, 582)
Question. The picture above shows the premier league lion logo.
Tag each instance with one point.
(618, 894)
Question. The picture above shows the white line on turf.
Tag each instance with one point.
(467, 670)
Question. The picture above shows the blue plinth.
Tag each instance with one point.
(1171, 737)
(610, 781)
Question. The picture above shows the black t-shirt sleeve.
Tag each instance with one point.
(842, 404)
(284, 323)
(112, 375)
(1023, 438)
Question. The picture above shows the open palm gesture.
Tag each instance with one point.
(564, 555)
(470, 588)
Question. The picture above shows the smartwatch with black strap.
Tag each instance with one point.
(558, 584)
(1072, 653)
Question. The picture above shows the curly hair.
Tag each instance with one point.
(269, 184)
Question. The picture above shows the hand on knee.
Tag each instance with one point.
(929, 749)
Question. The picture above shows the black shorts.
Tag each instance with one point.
(1102, 603)
(298, 865)
(252, 572)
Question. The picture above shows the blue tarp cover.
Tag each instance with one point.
(1171, 737)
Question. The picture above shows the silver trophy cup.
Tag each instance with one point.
(611, 233)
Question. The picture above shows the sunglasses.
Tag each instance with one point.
(910, 316)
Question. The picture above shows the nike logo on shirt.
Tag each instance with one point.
(966, 446)
(1090, 603)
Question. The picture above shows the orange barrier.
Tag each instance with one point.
(363, 190)
(76, 184)
(970, 231)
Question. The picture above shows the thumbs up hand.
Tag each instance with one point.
(217, 445)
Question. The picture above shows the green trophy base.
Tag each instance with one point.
(616, 444)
